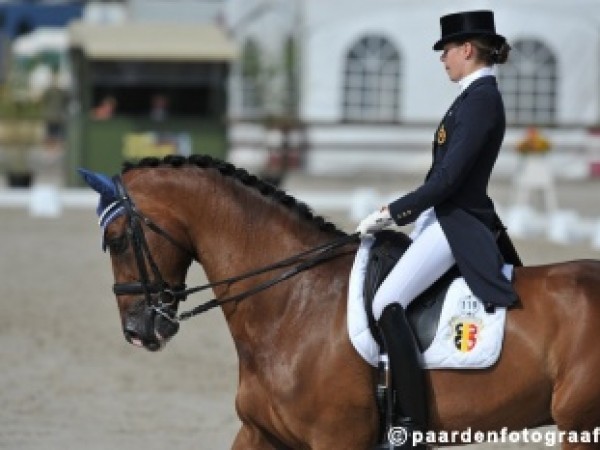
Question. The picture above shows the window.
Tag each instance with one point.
(251, 73)
(189, 89)
(528, 83)
(372, 80)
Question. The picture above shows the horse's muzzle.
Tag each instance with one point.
(144, 327)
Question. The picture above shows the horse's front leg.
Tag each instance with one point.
(252, 438)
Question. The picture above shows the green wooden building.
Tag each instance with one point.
(146, 89)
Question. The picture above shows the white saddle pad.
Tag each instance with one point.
(466, 338)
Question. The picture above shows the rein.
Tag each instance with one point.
(321, 253)
(168, 296)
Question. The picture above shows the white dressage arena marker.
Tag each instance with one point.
(535, 174)
(563, 227)
(596, 235)
(45, 201)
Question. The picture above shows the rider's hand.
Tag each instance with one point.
(375, 221)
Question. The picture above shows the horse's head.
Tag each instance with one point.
(148, 259)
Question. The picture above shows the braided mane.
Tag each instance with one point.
(227, 169)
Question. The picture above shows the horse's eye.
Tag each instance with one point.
(117, 245)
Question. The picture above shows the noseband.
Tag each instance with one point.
(162, 298)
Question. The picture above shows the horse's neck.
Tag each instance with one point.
(236, 229)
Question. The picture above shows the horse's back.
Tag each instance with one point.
(559, 296)
(564, 304)
(564, 282)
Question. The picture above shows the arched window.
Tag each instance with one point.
(250, 78)
(528, 83)
(372, 81)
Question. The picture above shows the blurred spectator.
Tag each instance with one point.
(106, 109)
(54, 107)
(159, 109)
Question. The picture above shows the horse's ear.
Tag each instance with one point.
(99, 182)
(102, 184)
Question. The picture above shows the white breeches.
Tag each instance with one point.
(426, 259)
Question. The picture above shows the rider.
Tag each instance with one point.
(455, 219)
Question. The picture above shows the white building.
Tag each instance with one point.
(180, 11)
(362, 78)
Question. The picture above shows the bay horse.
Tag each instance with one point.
(301, 383)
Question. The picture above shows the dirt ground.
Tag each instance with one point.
(69, 380)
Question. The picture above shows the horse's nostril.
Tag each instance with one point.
(132, 336)
(136, 339)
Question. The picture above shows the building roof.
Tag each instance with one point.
(152, 41)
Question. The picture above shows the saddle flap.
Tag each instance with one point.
(385, 252)
(424, 312)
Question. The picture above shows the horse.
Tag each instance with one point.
(301, 383)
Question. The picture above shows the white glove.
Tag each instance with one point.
(374, 222)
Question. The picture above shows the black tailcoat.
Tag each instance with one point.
(465, 149)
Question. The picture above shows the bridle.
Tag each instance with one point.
(162, 297)
(159, 295)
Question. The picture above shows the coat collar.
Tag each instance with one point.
(481, 72)
(488, 79)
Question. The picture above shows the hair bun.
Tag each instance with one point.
(500, 54)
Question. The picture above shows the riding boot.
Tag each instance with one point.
(407, 375)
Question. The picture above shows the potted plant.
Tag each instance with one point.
(18, 133)
(18, 172)
(533, 143)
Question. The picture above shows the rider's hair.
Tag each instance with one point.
(489, 51)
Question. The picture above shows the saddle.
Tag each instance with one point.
(424, 312)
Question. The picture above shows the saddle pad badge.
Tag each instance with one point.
(466, 333)
(466, 326)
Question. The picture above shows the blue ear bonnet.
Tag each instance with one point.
(109, 206)
(103, 185)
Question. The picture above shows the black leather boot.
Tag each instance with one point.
(407, 375)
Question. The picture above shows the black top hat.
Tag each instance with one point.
(463, 25)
